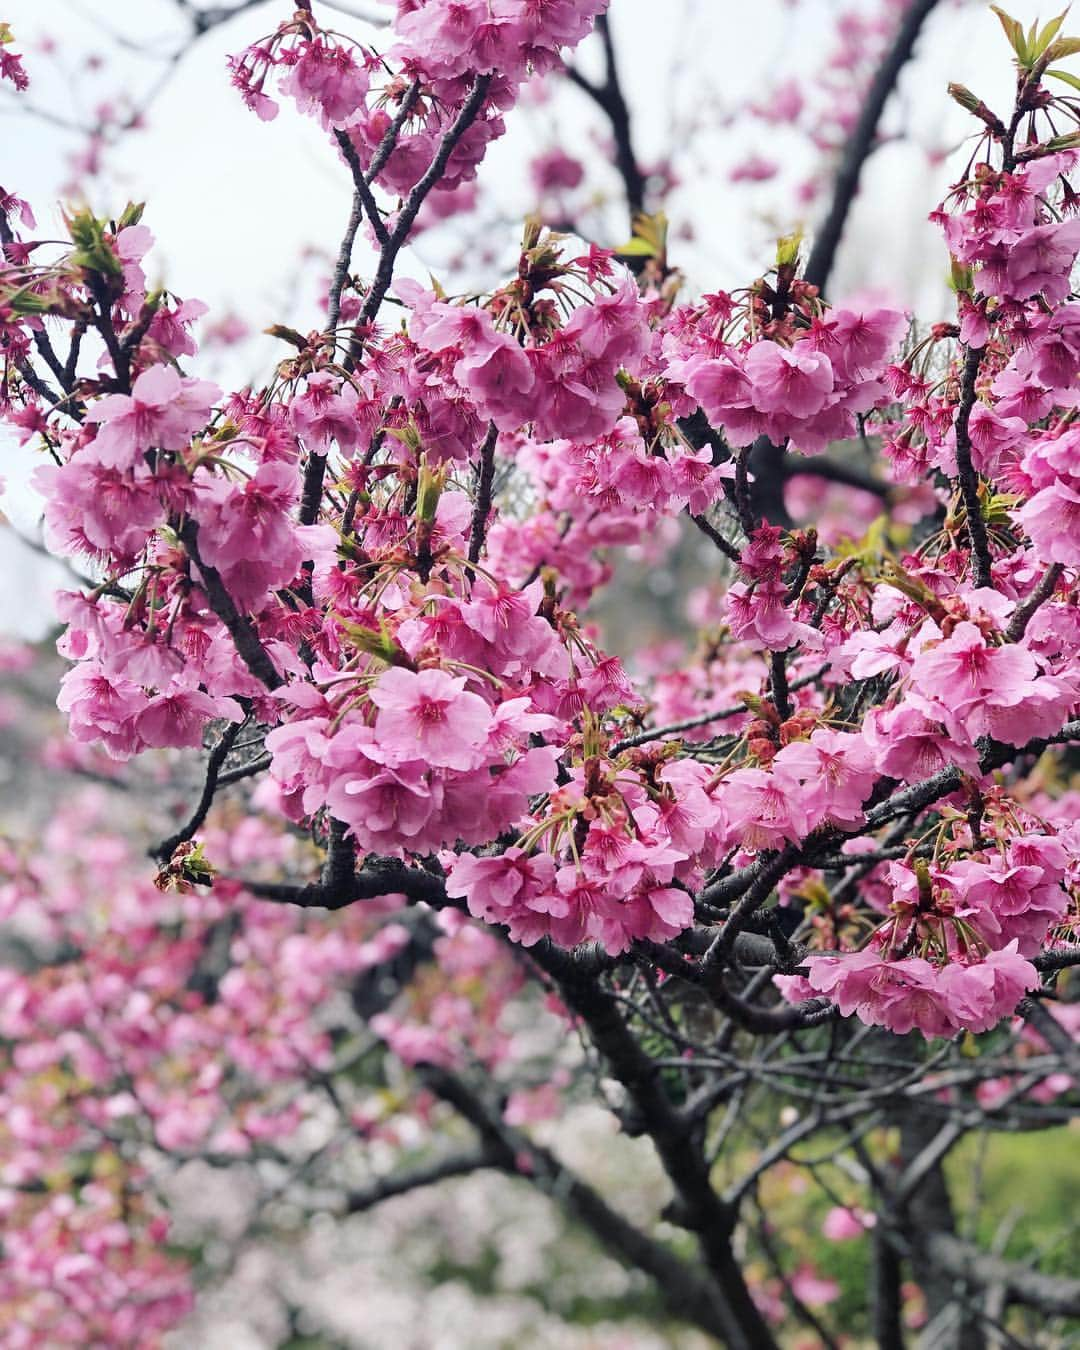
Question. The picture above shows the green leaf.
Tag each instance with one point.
(1068, 142)
(429, 486)
(636, 248)
(961, 94)
(131, 215)
(1064, 76)
(25, 301)
(1049, 32)
(961, 277)
(787, 248)
(380, 644)
(93, 253)
(1061, 48)
(1014, 32)
(650, 237)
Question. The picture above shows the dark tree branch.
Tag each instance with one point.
(384, 273)
(386, 1188)
(1040, 1019)
(763, 1232)
(1024, 613)
(699, 1207)
(1056, 1295)
(823, 254)
(714, 536)
(832, 471)
(968, 479)
(242, 771)
(887, 1301)
(778, 684)
(1058, 958)
(214, 761)
(485, 478)
(378, 877)
(907, 801)
(362, 200)
(386, 146)
(688, 1294)
(240, 627)
(765, 497)
(611, 101)
(311, 496)
(744, 506)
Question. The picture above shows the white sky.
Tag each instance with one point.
(233, 201)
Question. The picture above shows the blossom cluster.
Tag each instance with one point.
(441, 52)
(953, 952)
(804, 378)
(380, 559)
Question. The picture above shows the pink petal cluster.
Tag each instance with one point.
(808, 393)
(912, 994)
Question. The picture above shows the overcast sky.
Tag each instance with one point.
(233, 202)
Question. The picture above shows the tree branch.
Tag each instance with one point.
(214, 761)
(968, 479)
(386, 1188)
(713, 534)
(833, 471)
(823, 254)
(1024, 613)
(687, 1293)
(609, 98)
(699, 1207)
(240, 627)
(1050, 1294)
(485, 478)
(315, 472)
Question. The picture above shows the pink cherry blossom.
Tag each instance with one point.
(429, 715)
(162, 412)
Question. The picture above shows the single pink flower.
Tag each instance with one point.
(795, 382)
(429, 715)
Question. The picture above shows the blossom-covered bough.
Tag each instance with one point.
(362, 588)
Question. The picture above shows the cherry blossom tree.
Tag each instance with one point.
(797, 900)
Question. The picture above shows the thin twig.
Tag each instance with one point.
(214, 761)
(485, 478)
(968, 479)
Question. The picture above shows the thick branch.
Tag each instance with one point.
(610, 100)
(1024, 613)
(833, 471)
(485, 479)
(378, 877)
(699, 1207)
(361, 199)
